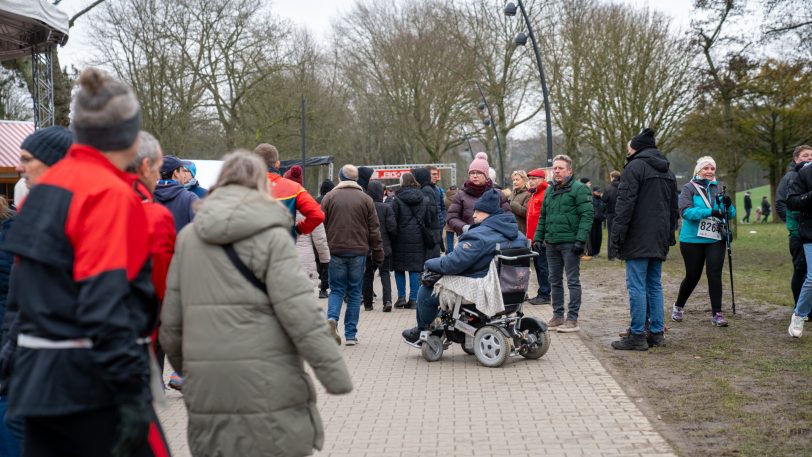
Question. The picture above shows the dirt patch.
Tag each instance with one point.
(743, 390)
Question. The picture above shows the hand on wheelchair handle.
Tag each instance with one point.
(538, 245)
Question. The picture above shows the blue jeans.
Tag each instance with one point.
(346, 278)
(645, 294)
(449, 241)
(11, 432)
(561, 259)
(542, 273)
(427, 307)
(804, 305)
(414, 284)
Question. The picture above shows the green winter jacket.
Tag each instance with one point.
(566, 214)
(242, 351)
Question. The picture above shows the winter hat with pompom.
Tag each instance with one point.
(294, 174)
(480, 164)
(701, 162)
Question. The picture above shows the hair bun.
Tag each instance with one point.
(481, 156)
(92, 80)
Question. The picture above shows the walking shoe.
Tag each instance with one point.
(411, 336)
(410, 305)
(586, 257)
(676, 313)
(334, 331)
(656, 340)
(387, 306)
(176, 381)
(368, 308)
(539, 300)
(796, 325)
(323, 294)
(632, 342)
(719, 320)
(351, 341)
(400, 302)
(555, 322)
(569, 326)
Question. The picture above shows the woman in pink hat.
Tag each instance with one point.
(461, 211)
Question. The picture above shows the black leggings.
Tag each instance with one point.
(696, 256)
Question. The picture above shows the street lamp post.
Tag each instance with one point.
(492, 122)
(521, 40)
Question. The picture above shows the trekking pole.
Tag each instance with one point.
(728, 236)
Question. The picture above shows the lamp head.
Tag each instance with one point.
(482, 106)
(521, 39)
(486, 121)
(510, 9)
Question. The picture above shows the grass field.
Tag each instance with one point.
(756, 194)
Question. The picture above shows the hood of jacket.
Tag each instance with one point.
(234, 212)
(505, 224)
(410, 195)
(364, 175)
(326, 186)
(375, 191)
(422, 176)
(167, 191)
(653, 157)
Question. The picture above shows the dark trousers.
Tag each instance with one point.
(611, 251)
(595, 238)
(542, 274)
(86, 434)
(369, 279)
(747, 215)
(697, 256)
(796, 250)
(323, 270)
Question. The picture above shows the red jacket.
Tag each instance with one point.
(83, 273)
(296, 198)
(534, 209)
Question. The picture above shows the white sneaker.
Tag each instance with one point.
(796, 325)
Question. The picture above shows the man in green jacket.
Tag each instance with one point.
(564, 225)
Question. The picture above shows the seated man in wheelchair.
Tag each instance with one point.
(471, 257)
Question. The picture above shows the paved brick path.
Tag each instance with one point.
(564, 404)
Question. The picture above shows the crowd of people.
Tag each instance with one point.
(117, 259)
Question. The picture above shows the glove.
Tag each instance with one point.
(538, 245)
(717, 213)
(465, 227)
(578, 248)
(133, 427)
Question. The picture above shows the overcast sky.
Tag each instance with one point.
(313, 14)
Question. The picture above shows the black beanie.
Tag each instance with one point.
(585, 180)
(489, 203)
(48, 145)
(643, 140)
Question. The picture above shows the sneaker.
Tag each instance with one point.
(676, 313)
(796, 325)
(555, 322)
(400, 302)
(539, 300)
(411, 304)
(176, 381)
(323, 294)
(656, 340)
(719, 320)
(387, 306)
(411, 336)
(334, 331)
(586, 258)
(632, 342)
(351, 341)
(569, 326)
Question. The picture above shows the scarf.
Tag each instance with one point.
(477, 190)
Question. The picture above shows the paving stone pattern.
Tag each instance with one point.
(564, 404)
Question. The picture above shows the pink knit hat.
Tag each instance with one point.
(480, 164)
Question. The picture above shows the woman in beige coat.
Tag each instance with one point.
(312, 249)
(241, 349)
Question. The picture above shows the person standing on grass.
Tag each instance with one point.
(563, 227)
(702, 238)
(609, 198)
(644, 226)
(536, 187)
(799, 200)
(596, 234)
(765, 209)
(748, 202)
(800, 156)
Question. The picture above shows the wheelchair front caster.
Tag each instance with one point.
(432, 348)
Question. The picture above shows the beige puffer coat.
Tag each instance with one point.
(241, 350)
(307, 256)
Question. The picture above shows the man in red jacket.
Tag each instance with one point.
(290, 193)
(537, 186)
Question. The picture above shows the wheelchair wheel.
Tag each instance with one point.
(538, 352)
(491, 346)
(432, 348)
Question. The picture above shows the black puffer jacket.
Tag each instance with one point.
(646, 211)
(609, 197)
(386, 216)
(423, 177)
(408, 250)
(799, 198)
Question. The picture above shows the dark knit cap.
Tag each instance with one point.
(489, 203)
(326, 186)
(170, 164)
(643, 140)
(48, 145)
(364, 175)
(585, 180)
